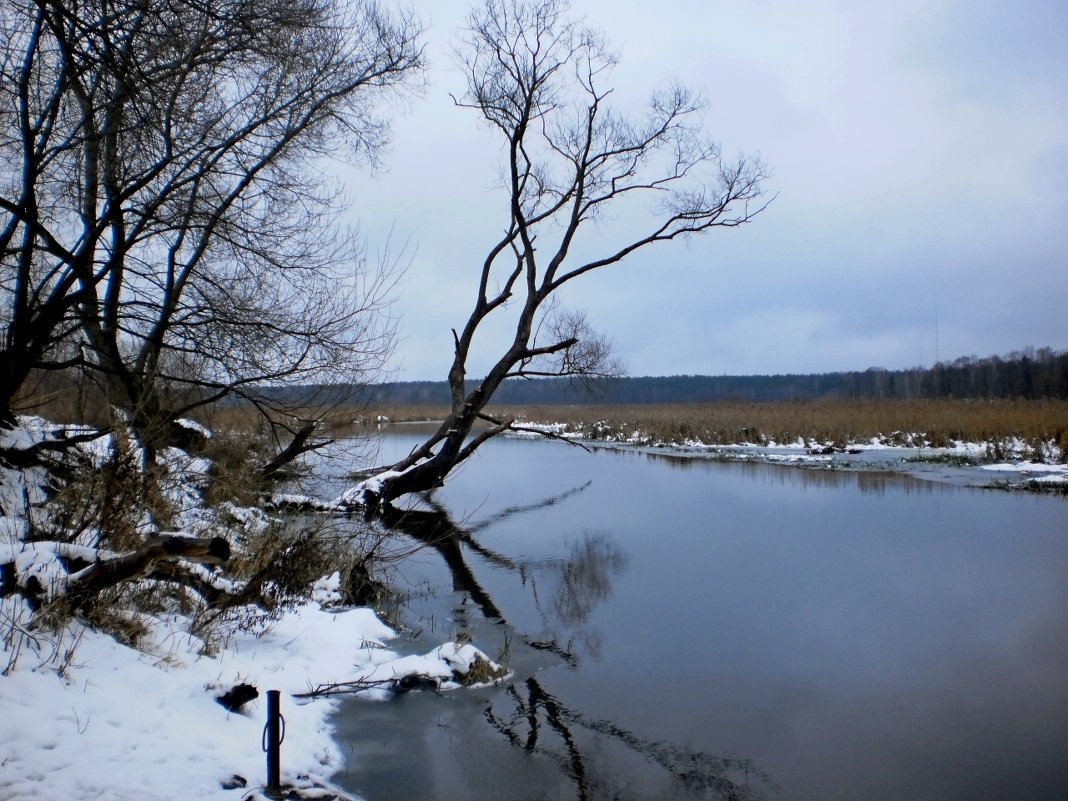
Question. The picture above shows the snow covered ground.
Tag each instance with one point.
(106, 721)
(83, 716)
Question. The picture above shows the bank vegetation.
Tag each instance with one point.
(938, 421)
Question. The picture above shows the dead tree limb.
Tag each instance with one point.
(87, 583)
(513, 426)
(297, 446)
(30, 456)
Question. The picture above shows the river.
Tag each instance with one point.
(681, 628)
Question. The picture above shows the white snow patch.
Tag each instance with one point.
(116, 724)
(193, 425)
(796, 459)
(327, 590)
(253, 521)
(372, 485)
(1053, 478)
(538, 430)
(1026, 467)
(442, 667)
(44, 566)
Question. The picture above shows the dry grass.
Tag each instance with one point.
(483, 672)
(834, 421)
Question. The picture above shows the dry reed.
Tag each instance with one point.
(830, 421)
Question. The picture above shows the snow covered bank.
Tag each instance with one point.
(1036, 475)
(1010, 463)
(85, 716)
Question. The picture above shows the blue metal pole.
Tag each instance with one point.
(274, 741)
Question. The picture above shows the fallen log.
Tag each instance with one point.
(100, 575)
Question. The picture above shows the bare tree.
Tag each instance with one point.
(536, 76)
(164, 220)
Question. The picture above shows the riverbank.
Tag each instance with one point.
(143, 705)
(1006, 464)
(1014, 444)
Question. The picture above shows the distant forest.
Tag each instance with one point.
(1027, 374)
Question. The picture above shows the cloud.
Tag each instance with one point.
(918, 150)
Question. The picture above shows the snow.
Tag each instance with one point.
(84, 716)
(898, 450)
(357, 495)
(797, 459)
(897, 442)
(289, 500)
(43, 561)
(1054, 479)
(26, 434)
(1026, 467)
(538, 430)
(441, 666)
(193, 425)
(110, 722)
(99, 450)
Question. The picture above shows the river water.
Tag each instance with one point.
(680, 628)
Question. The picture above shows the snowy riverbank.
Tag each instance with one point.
(87, 717)
(1010, 464)
(83, 715)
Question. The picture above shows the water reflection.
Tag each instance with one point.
(815, 475)
(576, 583)
(530, 717)
(855, 635)
(586, 577)
(536, 718)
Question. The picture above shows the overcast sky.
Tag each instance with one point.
(919, 150)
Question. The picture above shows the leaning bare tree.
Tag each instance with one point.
(165, 224)
(537, 77)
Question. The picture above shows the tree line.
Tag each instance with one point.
(1028, 374)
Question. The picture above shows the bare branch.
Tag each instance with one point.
(163, 548)
(569, 160)
(169, 219)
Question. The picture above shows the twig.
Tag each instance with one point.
(348, 687)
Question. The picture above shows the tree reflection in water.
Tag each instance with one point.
(535, 720)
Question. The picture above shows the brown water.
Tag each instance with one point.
(686, 629)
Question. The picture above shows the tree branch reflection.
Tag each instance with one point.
(538, 722)
(583, 578)
(693, 774)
